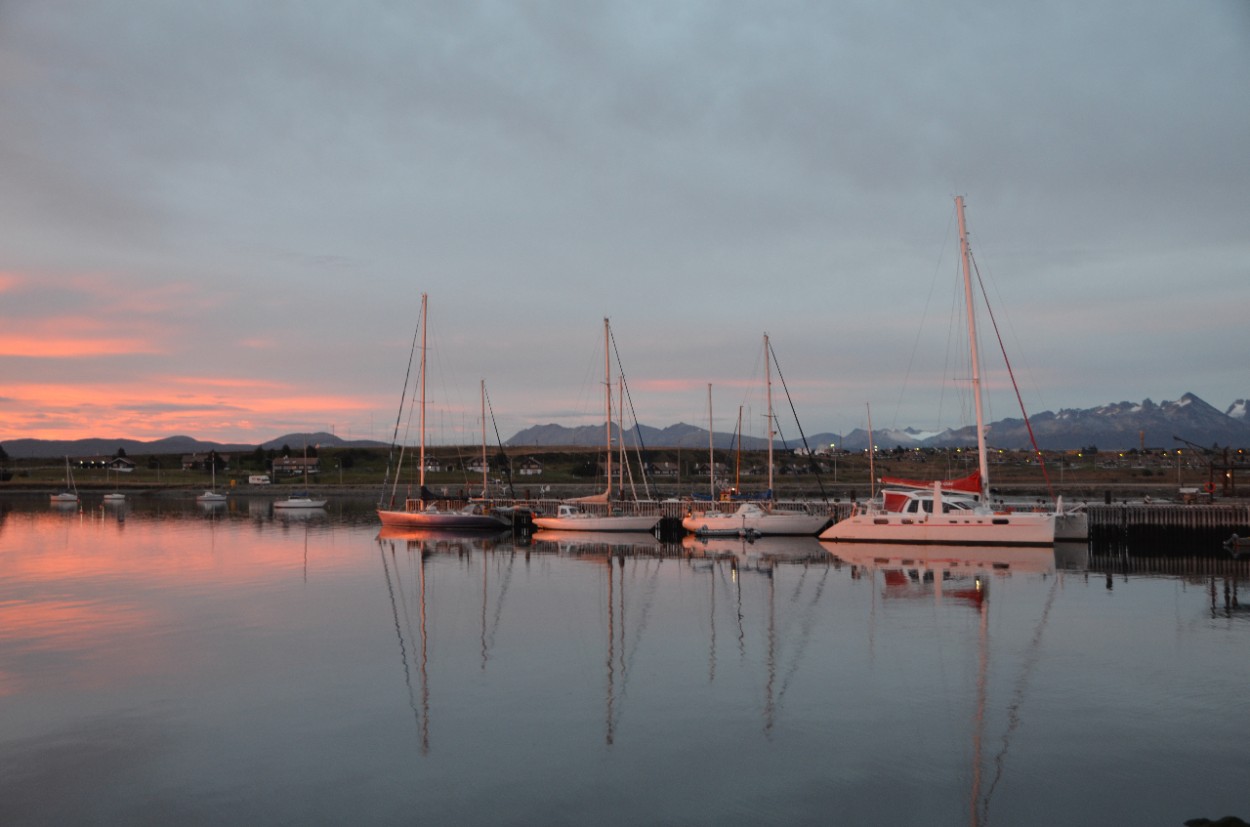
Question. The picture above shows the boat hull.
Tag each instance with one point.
(436, 520)
(756, 523)
(592, 522)
(1071, 526)
(1013, 529)
(297, 503)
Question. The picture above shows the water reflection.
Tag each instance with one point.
(570, 672)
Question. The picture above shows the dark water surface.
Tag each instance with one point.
(160, 664)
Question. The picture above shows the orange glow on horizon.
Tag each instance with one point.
(212, 408)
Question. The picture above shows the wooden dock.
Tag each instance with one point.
(1139, 529)
(1166, 529)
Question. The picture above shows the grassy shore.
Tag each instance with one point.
(569, 472)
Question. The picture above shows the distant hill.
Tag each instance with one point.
(34, 448)
(1113, 427)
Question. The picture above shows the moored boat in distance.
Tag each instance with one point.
(70, 495)
(299, 500)
(212, 496)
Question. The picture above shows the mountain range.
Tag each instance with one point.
(97, 447)
(1113, 427)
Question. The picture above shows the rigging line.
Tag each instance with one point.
(503, 594)
(1013, 710)
(399, 634)
(399, 415)
(915, 347)
(637, 429)
(507, 464)
(1041, 461)
(811, 459)
(805, 634)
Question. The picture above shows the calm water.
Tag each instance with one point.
(167, 665)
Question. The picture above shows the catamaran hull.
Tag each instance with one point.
(1015, 529)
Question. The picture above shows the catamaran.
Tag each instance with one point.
(936, 515)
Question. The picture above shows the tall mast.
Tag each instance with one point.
(768, 382)
(483, 439)
(421, 452)
(966, 255)
(711, 446)
(738, 456)
(607, 400)
(620, 429)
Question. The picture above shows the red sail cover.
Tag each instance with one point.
(970, 484)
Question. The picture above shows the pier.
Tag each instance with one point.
(1166, 529)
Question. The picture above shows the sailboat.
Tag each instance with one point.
(935, 515)
(424, 511)
(301, 499)
(70, 495)
(754, 519)
(572, 515)
(212, 496)
(114, 497)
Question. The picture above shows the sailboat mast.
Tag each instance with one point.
(421, 451)
(483, 439)
(738, 456)
(711, 446)
(983, 464)
(768, 382)
(607, 400)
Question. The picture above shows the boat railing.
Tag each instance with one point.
(613, 508)
(776, 506)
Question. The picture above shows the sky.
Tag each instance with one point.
(218, 219)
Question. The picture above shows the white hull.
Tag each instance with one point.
(961, 528)
(593, 522)
(300, 502)
(65, 498)
(211, 497)
(751, 520)
(1071, 526)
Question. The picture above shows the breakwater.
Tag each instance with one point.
(1165, 529)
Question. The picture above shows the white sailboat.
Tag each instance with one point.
(572, 515)
(113, 497)
(301, 499)
(70, 495)
(755, 518)
(212, 496)
(934, 515)
(424, 511)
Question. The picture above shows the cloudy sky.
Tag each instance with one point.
(217, 219)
